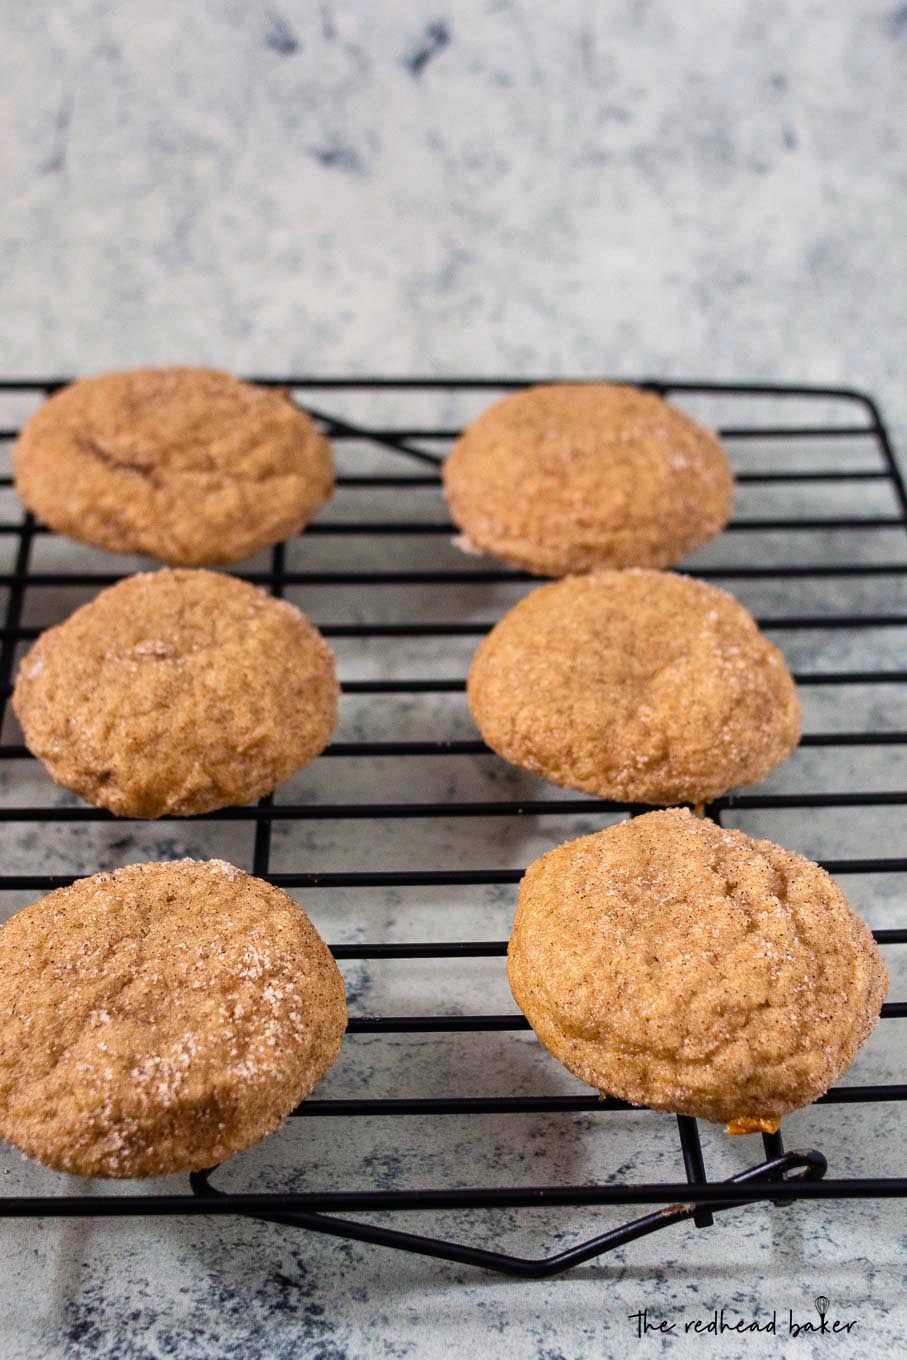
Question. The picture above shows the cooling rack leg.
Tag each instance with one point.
(694, 1164)
(802, 1165)
(774, 1148)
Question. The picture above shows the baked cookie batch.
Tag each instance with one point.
(163, 1017)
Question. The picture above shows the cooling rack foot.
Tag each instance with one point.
(790, 1167)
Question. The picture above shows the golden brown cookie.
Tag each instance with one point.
(177, 692)
(161, 1018)
(677, 965)
(188, 465)
(639, 686)
(574, 477)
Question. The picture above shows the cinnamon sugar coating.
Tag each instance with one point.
(160, 1018)
(177, 691)
(573, 477)
(640, 686)
(188, 465)
(674, 964)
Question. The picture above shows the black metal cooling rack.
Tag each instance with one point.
(801, 1172)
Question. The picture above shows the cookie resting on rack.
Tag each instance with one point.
(161, 1018)
(639, 686)
(177, 691)
(188, 465)
(677, 965)
(572, 477)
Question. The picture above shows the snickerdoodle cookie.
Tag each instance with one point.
(677, 965)
(188, 465)
(177, 691)
(161, 1018)
(573, 477)
(639, 686)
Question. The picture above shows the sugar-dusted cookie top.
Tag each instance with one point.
(573, 477)
(177, 691)
(674, 964)
(188, 465)
(640, 686)
(160, 1018)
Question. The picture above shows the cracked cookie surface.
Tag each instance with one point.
(674, 964)
(573, 477)
(640, 686)
(177, 691)
(187, 465)
(160, 1018)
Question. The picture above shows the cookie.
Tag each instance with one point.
(177, 692)
(161, 1018)
(677, 965)
(570, 478)
(187, 465)
(638, 686)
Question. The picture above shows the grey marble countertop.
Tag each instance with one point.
(638, 188)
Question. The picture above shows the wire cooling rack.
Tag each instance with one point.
(811, 440)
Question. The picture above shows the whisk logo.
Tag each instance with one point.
(723, 1320)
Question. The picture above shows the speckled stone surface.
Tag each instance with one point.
(634, 188)
(621, 188)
